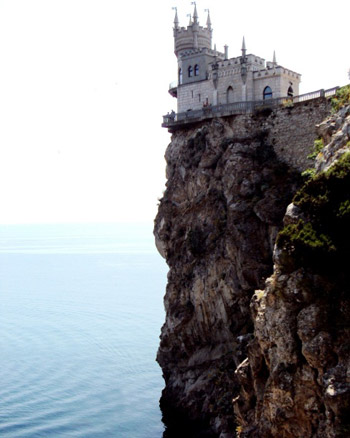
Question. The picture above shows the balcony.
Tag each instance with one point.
(173, 88)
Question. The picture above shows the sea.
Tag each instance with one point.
(81, 307)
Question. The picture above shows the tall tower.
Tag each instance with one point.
(192, 46)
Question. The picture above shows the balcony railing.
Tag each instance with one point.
(208, 112)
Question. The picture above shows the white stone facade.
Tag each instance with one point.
(207, 77)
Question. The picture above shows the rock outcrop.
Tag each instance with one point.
(229, 185)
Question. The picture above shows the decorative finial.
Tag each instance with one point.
(244, 50)
(189, 15)
(195, 14)
(208, 19)
(176, 19)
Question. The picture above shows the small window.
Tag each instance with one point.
(290, 92)
(190, 71)
(180, 76)
(196, 70)
(267, 93)
(199, 97)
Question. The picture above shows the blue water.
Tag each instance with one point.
(80, 314)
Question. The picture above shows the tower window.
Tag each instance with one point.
(180, 76)
(190, 71)
(290, 92)
(267, 93)
(196, 70)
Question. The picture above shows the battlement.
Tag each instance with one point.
(202, 51)
(271, 69)
(187, 39)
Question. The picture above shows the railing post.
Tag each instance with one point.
(322, 93)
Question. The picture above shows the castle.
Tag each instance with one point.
(207, 77)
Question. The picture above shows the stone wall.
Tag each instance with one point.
(292, 131)
(192, 96)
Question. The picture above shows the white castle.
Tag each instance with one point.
(209, 78)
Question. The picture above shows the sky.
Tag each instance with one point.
(84, 85)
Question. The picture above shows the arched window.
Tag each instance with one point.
(180, 76)
(229, 95)
(196, 70)
(190, 71)
(267, 93)
(290, 92)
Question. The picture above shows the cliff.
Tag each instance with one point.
(229, 182)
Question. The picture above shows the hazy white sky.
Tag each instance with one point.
(83, 86)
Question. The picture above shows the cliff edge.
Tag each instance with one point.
(229, 182)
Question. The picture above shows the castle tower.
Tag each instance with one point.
(192, 37)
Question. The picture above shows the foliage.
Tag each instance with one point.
(308, 173)
(318, 146)
(288, 103)
(341, 98)
(322, 237)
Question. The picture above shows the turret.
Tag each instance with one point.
(193, 37)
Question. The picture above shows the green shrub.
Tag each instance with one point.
(322, 237)
(318, 146)
(341, 98)
(308, 173)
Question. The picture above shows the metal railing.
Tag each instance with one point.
(173, 119)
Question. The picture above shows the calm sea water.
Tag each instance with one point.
(80, 314)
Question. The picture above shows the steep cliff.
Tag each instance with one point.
(229, 183)
(296, 380)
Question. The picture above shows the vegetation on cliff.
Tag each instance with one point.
(341, 98)
(322, 236)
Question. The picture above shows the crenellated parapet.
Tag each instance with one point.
(191, 38)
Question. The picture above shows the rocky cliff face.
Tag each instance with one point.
(229, 184)
(296, 379)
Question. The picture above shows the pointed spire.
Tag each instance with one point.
(195, 14)
(176, 19)
(244, 50)
(274, 59)
(208, 19)
(190, 23)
